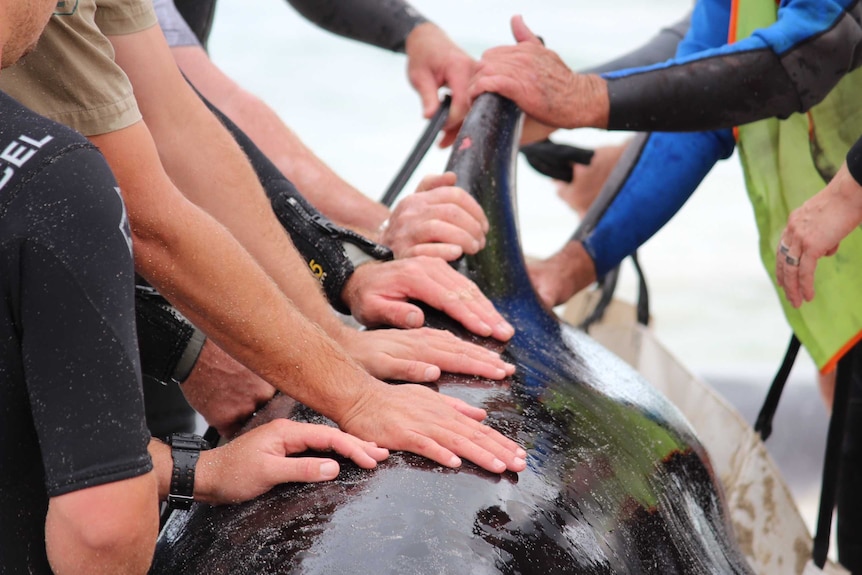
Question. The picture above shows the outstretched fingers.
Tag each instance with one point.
(414, 418)
(409, 355)
(299, 437)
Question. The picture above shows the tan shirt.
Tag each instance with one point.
(71, 76)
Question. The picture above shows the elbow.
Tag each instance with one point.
(109, 528)
(130, 545)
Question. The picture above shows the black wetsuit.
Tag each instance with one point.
(382, 23)
(71, 411)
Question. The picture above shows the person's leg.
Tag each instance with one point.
(849, 500)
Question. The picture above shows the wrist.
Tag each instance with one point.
(418, 34)
(186, 449)
(350, 294)
(576, 269)
(592, 90)
(380, 233)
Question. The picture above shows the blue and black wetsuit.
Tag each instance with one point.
(670, 97)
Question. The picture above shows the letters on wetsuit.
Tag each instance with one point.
(18, 153)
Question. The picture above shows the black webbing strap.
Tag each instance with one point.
(763, 424)
(832, 459)
(607, 287)
(435, 124)
(643, 292)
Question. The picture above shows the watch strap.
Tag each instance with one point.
(185, 452)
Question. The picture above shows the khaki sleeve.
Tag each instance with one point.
(71, 76)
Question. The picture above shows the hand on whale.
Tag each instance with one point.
(540, 83)
(257, 461)
(421, 355)
(380, 294)
(439, 220)
(416, 419)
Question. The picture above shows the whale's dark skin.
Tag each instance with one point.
(615, 482)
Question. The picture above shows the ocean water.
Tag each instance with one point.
(712, 302)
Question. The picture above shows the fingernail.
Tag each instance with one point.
(510, 368)
(519, 463)
(497, 464)
(431, 374)
(476, 246)
(455, 461)
(521, 453)
(413, 319)
(499, 374)
(484, 329)
(328, 470)
(505, 329)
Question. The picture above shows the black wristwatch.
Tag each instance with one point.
(185, 450)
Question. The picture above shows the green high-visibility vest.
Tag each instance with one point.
(788, 161)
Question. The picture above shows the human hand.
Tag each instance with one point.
(416, 419)
(540, 83)
(421, 355)
(438, 220)
(224, 391)
(815, 230)
(433, 61)
(257, 461)
(380, 294)
(562, 275)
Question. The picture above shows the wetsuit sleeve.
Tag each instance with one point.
(713, 84)
(331, 251)
(854, 161)
(668, 169)
(78, 339)
(659, 48)
(169, 343)
(382, 23)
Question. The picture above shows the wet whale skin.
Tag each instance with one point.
(616, 481)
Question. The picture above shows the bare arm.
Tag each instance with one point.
(242, 310)
(207, 165)
(185, 253)
(257, 461)
(333, 196)
(109, 529)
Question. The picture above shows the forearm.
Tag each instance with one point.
(333, 196)
(318, 183)
(109, 529)
(382, 23)
(214, 174)
(208, 167)
(225, 294)
(714, 84)
(650, 184)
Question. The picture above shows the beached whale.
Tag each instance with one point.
(616, 481)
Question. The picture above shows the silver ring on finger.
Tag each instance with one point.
(791, 261)
(784, 249)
